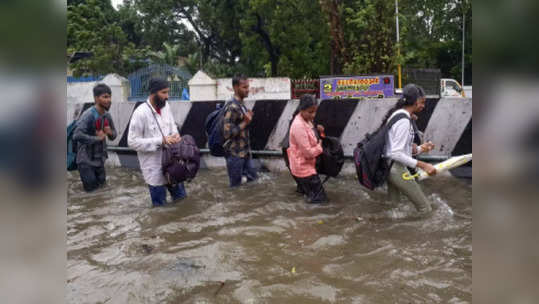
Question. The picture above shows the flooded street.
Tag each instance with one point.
(262, 244)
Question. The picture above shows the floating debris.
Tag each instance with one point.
(147, 248)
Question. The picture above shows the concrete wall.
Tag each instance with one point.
(202, 87)
(447, 122)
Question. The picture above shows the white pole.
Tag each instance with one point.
(398, 39)
(463, 35)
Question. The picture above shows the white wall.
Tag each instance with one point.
(81, 92)
(259, 88)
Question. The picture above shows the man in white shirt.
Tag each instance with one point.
(152, 126)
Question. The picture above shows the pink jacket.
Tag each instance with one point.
(304, 148)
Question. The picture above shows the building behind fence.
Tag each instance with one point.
(139, 80)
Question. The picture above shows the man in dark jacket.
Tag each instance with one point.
(93, 127)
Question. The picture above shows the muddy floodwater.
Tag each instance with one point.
(262, 244)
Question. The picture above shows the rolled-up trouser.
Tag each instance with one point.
(397, 185)
(312, 188)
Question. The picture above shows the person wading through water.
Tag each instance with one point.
(91, 132)
(305, 146)
(152, 126)
(236, 144)
(400, 148)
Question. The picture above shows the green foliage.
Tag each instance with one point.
(285, 38)
(294, 38)
(169, 55)
(91, 28)
(370, 37)
(431, 35)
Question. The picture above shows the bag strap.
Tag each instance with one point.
(96, 117)
(153, 114)
(396, 118)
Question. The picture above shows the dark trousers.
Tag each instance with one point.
(92, 177)
(313, 189)
(238, 167)
(159, 193)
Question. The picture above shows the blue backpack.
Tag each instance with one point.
(214, 130)
(71, 147)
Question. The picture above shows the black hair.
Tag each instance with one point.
(101, 89)
(410, 94)
(305, 101)
(237, 78)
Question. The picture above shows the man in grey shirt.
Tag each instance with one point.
(91, 132)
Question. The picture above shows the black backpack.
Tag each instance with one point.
(181, 161)
(331, 160)
(328, 163)
(371, 166)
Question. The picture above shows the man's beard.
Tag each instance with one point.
(160, 103)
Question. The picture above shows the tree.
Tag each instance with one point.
(370, 37)
(431, 35)
(169, 55)
(295, 38)
(91, 28)
(333, 10)
(288, 38)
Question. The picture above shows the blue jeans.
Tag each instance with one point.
(238, 167)
(159, 193)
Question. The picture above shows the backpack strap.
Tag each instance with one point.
(153, 114)
(396, 118)
(95, 113)
(391, 122)
(96, 117)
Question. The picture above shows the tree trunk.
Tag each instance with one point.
(338, 46)
(272, 51)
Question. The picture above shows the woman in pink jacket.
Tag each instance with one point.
(305, 146)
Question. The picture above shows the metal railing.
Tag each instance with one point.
(428, 158)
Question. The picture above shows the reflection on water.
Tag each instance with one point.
(262, 244)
